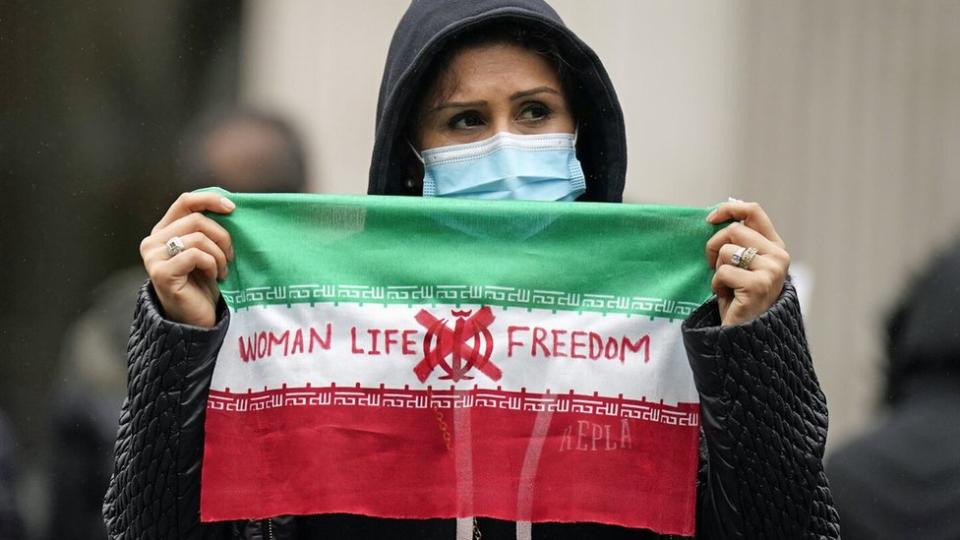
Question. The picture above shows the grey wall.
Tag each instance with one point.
(849, 133)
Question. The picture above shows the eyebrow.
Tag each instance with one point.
(458, 105)
(533, 91)
(513, 97)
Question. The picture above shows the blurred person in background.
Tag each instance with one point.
(242, 150)
(246, 151)
(902, 478)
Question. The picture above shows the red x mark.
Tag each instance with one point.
(448, 340)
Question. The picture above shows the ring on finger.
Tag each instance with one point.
(743, 257)
(174, 246)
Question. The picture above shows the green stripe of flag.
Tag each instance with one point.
(623, 258)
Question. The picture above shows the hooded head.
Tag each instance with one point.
(923, 335)
(428, 31)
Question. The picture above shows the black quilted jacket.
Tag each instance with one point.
(761, 472)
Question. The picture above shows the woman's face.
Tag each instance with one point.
(489, 89)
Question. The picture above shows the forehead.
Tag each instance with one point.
(486, 71)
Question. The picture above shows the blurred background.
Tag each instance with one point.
(841, 118)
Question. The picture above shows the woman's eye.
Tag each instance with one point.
(466, 120)
(534, 112)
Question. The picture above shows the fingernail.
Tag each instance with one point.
(734, 200)
(227, 203)
(711, 214)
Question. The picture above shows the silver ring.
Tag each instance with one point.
(174, 246)
(743, 257)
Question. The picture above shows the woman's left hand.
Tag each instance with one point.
(744, 294)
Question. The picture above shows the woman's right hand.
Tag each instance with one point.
(186, 283)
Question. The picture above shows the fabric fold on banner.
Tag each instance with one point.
(432, 358)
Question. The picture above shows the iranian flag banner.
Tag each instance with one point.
(424, 358)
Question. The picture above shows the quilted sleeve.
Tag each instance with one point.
(764, 425)
(154, 491)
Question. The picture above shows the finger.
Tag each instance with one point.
(185, 262)
(742, 235)
(729, 283)
(765, 262)
(727, 279)
(753, 284)
(751, 214)
(196, 222)
(188, 203)
(731, 277)
(728, 252)
(194, 240)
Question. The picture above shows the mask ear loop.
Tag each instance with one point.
(410, 182)
(414, 149)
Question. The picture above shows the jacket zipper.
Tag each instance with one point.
(266, 526)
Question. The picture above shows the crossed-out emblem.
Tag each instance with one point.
(468, 344)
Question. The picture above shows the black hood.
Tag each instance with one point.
(422, 33)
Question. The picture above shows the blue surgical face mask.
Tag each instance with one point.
(506, 166)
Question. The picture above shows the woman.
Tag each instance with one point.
(492, 74)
